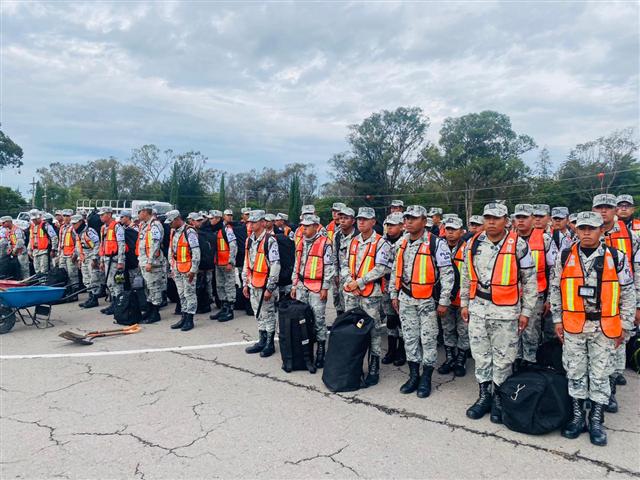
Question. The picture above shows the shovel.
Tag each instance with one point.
(87, 339)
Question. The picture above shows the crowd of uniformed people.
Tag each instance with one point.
(494, 290)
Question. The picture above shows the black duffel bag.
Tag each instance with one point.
(126, 310)
(535, 401)
(348, 344)
(9, 267)
(297, 335)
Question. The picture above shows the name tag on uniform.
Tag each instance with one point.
(587, 292)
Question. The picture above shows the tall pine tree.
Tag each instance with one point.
(295, 200)
(222, 201)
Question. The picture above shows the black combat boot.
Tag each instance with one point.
(179, 324)
(226, 312)
(496, 406)
(612, 406)
(147, 311)
(216, 316)
(188, 322)
(411, 385)
(597, 433)
(269, 348)
(460, 369)
(401, 355)
(577, 424)
(178, 309)
(482, 404)
(620, 380)
(320, 355)
(91, 302)
(373, 377)
(110, 309)
(249, 310)
(392, 348)
(424, 387)
(102, 292)
(154, 314)
(259, 345)
(449, 361)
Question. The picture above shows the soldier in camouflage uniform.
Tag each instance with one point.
(260, 282)
(368, 261)
(541, 216)
(112, 259)
(16, 245)
(184, 255)
(543, 252)
(67, 253)
(225, 261)
(422, 260)
(312, 276)
(498, 294)
(341, 241)
(151, 262)
(593, 303)
(88, 249)
(43, 242)
(397, 206)
(394, 226)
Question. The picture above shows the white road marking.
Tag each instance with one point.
(125, 352)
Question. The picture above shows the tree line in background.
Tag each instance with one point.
(478, 158)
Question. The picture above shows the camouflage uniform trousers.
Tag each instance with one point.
(226, 284)
(454, 329)
(420, 329)
(318, 306)
(338, 297)
(208, 279)
(68, 264)
(110, 270)
(90, 275)
(41, 263)
(23, 260)
(386, 310)
(587, 358)
(165, 273)
(619, 360)
(186, 291)
(371, 306)
(532, 335)
(494, 345)
(153, 283)
(268, 313)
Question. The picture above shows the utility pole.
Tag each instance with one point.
(33, 192)
(44, 198)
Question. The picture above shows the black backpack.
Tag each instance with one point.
(297, 334)
(126, 310)
(287, 252)
(202, 294)
(348, 344)
(207, 242)
(9, 267)
(633, 352)
(535, 401)
(130, 257)
(240, 230)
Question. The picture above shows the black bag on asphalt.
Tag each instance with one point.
(57, 277)
(9, 267)
(535, 401)
(549, 354)
(348, 344)
(633, 352)
(297, 335)
(126, 310)
(202, 295)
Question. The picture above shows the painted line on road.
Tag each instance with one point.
(125, 352)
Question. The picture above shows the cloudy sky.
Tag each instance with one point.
(264, 84)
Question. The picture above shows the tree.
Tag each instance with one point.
(113, 184)
(295, 201)
(384, 155)
(543, 165)
(151, 161)
(222, 201)
(479, 152)
(11, 202)
(10, 152)
(187, 186)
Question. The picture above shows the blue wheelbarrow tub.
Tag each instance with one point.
(30, 296)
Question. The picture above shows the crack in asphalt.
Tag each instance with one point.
(38, 423)
(138, 472)
(90, 372)
(402, 413)
(329, 456)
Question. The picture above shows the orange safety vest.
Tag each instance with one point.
(298, 235)
(13, 239)
(442, 230)
(331, 229)
(108, 242)
(68, 244)
(258, 274)
(182, 255)
(504, 277)
(38, 237)
(573, 311)
(458, 262)
(314, 267)
(621, 240)
(83, 237)
(287, 230)
(368, 263)
(423, 271)
(536, 245)
(222, 257)
(635, 225)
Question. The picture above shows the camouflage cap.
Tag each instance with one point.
(624, 198)
(57, 212)
(366, 212)
(6, 218)
(434, 211)
(196, 216)
(307, 210)
(337, 206)
(397, 203)
(449, 215)
(270, 217)
(429, 222)
(76, 218)
(605, 199)
(215, 213)
(573, 217)
(523, 209)
(228, 211)
(282, 216)
(104, 210)
(244, 210)
(125, 213)
(348, 211)
(415, 211)
(592, 219)
(476, 219)
(67, 212)
(310, 220)
(453, 222)
(256, 215)
(171, 215)
(395, 218)
(35, 213)
(559, 212)
(495, 209)
(541, 209)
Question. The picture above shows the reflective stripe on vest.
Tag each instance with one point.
(222, 256)
(621, 240)
(38, 237)
(458, 262)
(504, 276)
(257, 275)
(536, 245)
(182, 255)
(298, 235)
(423, 272)
(368, 263)
(314, 266)
(573, 310)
